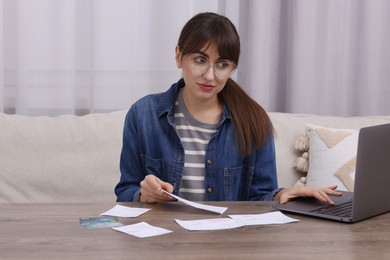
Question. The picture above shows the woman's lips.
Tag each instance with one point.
(206, 87)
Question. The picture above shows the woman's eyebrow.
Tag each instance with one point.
(202, 53)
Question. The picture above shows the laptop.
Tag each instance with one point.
(372, 183)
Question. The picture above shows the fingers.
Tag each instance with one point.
(151, 190)
(322, 196)
(166, 186)
(332, 191)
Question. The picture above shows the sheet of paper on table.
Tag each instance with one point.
(142, 230)
(215, 209)
(125, 212)
(275, 217)
(235, 221)
(209, 224)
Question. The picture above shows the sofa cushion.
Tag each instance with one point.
(70, 158)
(65, 158)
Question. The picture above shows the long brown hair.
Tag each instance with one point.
(251, 123)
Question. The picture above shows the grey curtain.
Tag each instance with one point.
(328, 57)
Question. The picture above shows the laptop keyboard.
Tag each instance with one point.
(340, 210)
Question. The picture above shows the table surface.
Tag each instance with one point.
(52, 231)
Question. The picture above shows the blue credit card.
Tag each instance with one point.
(100, 222)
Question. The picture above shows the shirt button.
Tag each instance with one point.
(209, 190)
(209, 162)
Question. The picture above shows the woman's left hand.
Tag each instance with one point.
(306, 191)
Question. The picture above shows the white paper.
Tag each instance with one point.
(275, 217)
(209, 224)
(215, 209)
(125, 212)
(142, 230)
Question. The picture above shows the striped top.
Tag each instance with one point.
(194, 137)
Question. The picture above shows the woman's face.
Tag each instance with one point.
(204, 72)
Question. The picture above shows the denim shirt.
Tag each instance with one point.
(151, 145)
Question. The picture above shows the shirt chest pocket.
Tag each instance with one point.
(153, 166)
(237, 182)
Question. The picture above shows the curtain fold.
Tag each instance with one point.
(328, 57)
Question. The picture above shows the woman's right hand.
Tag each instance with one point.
(152, 190)
(322, 194)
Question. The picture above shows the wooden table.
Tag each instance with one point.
(52, 231)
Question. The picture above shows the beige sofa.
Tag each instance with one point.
(70, 158)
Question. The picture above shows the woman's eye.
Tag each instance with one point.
(223, 65)
(199, 60)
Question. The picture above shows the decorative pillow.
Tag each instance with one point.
(332, 157)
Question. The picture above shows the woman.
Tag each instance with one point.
(204, 138)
